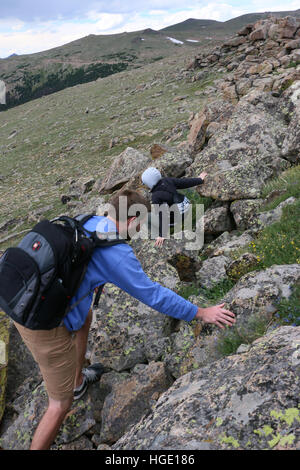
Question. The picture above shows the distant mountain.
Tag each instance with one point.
(191, 25)
(33, 75)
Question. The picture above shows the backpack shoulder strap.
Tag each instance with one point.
(83, 218)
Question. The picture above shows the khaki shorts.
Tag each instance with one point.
(55, 352)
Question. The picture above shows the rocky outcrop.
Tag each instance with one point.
(131, 399)
(258, 136)
(258, 293)
(263, 219)
(130, 163)
(244, 153)
(246, 401)
(227, 243)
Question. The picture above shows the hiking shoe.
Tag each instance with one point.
(91, 375)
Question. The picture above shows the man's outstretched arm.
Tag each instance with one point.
(131, 278)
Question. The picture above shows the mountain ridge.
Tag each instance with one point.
(30, 76)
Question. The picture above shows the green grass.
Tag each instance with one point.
(187, 291)
(231, 338)
(288, 312)
(213, 295)
(218, 291)
(293, 64)
(288, 182)
(279, 243)
(37, 156)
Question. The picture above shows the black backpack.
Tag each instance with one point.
(39, 277)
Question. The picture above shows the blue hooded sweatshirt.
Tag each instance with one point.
(118, 265)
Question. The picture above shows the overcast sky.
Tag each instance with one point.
(28, 26)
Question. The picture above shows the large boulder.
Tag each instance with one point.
(243, 210)
(261, 220)
(174, 163)
(190, 346)
(247, 401)
(197, 134)
(131, 399)
(213, 270)
(288, 26)
(182, 253)
(127, 165)
(259, 292)
(243, 154)
(217, 220)
(227, 243)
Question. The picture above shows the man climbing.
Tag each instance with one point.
(60, 352)
(164, 193)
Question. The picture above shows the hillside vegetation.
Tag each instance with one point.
(47, 143)
(31, 76)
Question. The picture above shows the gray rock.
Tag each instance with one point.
(226, 243)
(244, 209)
(250, 144)
(217, 220)
(131, 400)
(245, 401)
(291, 143)
(258, 293)
(263, 219)
(127, 165)
(213, 270)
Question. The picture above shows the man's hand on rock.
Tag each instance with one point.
(159, 241)
(217, 315)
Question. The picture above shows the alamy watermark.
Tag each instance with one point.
(169, 222)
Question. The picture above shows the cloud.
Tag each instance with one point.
(275, 5)
(36, 10)
(28, 26)
(52, 34)
(27, 10)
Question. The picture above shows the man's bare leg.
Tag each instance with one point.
(50, 423)
(81, 345)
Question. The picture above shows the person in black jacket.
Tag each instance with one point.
(164, 191)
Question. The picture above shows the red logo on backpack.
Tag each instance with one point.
(36, 246)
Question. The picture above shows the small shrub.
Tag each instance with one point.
(287, 184)
(293, 64)
(279, 243)
(219, 290)
(289, 309)
(232, 337)
(213, 295)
